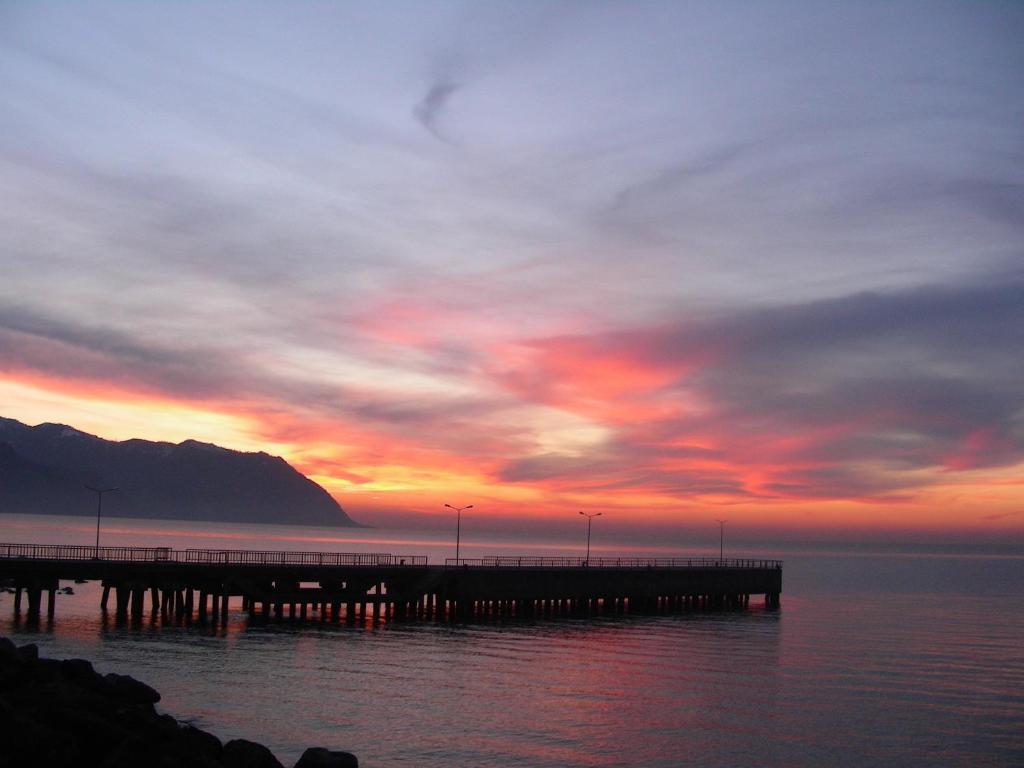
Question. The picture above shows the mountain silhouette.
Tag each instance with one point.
(44, 470)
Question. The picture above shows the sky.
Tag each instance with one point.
(671, 262)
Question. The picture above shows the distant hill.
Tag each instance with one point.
(43, 470)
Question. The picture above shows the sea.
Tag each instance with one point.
(877, 657)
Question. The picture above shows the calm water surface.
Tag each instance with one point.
(873, 659)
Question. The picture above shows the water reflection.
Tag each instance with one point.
(874, 660)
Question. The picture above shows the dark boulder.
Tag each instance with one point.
(248, 754)
(129, 689)
(76, 669)
(318, 757)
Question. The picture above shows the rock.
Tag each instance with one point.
(200, 742)
(318, 757)
(74, 669)
(63, 714)
(131, 690)
(248, 754)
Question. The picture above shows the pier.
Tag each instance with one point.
(198, 585)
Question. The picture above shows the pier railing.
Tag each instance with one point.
(609, 562)
(80, 552)
(201, 556)
(253, 557)
(66, 552)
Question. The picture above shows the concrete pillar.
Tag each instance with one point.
(138, 602)
(154, 599)
(51, 600)
(104, 598)
(224, 605)
(121, 595)
(17, 600)
(202, 605)
(35, 596)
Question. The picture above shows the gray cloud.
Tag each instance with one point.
(214, 203)
(873, 386)
(430, 109)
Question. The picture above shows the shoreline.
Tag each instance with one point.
(61, 712)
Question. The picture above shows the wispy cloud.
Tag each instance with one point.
(682, 257)
(430, 109)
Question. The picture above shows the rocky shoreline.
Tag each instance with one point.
(63, 713)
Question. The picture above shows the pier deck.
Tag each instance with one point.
(198, 584)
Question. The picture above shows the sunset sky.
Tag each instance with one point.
(668, 261)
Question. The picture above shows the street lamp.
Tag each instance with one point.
(99, 511)
(721, 539)
(590, 519)
(458, 526)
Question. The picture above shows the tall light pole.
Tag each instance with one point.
(458, 526)
(590, 519)
(99, 511)
(721, 539)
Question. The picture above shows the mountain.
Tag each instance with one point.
(44, 470)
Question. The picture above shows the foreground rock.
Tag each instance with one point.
(318, 757)
(64, 713)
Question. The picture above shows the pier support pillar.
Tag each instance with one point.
(105, 598)
(17, 600)
(138, 602)
(35, 596)
(121, 595)
(51, 599)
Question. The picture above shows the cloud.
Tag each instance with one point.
(685, 255)
(845, 398)
(430, 109)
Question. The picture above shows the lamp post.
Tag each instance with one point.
(458, 526)
(99, 511)
(721, 540)
(590, 519)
